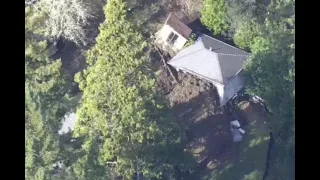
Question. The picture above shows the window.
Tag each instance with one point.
(172, 38)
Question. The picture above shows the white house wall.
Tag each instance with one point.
(232, 88)
(220, 90)
(165, 32)
(222, 93)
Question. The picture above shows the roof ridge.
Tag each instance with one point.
(197, 51)
(220, 70)
(168, 18)
(232, 54)
(223, 42)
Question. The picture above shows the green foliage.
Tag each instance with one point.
(34, 20)
(41, 74)
(43, 78)
(191, 40)
(246, 33)
(119, 102)
(121, 120)
(245, 10)
(43, 84)
(214, 16)
(46, 102)
(140, 12)
(272, 76)
(41, 139)
(272, 66)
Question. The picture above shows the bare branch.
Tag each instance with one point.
(191, 7)
(67, 18)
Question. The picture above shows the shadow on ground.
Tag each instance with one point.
(208, 133)
(249, 156)
(209, 140)
(198, 28)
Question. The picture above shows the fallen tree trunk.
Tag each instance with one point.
(166, 65)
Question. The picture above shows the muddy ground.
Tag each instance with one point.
(194, 103)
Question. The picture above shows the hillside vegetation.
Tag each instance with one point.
(125, 128)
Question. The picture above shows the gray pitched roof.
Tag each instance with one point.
(211, 59)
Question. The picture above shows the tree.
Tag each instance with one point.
(48, 155)
(40, 145)
(271, 72)
(43, 84)
(214, 16)
(243, 15)
(191, 7)
(271, 66)
(246, 33)
(65, 18)
(43, 76)
(119, 104)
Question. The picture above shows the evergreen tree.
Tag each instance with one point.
(272, 76)
(47, 100)
(119, 104)
(214, 16)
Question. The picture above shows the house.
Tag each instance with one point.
(174, 33)
(215, 61)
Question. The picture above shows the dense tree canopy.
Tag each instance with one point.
(43, 78)
(272, 64)
(214, 16)
(40, 142)
(272, 76)
(47, 100)
(268, 32)
(119, 104)
(124, 129)
(62, 18)
(43, 84)
(246, 33)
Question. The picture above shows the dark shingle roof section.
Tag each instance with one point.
(219, 46)
(178, 25)
(230, 65)
(231, 59)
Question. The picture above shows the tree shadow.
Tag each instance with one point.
(198, 28)
(249, 159)
(209, 141)
(248, 162)
(208, 133)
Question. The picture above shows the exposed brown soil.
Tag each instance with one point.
(194, 103)
(188, 88)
